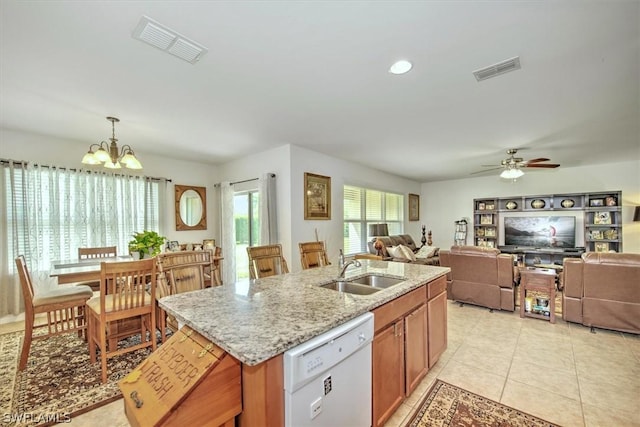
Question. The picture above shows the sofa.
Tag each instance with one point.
(602, 289)
(427, 255)
(480, 276)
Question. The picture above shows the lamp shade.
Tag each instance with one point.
(636, 214)
(377, 230)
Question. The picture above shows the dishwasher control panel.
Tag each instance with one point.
(315, 356)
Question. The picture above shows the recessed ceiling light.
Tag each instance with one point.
(400, 67)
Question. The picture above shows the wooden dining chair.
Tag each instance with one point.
(216, 274)
(95, 253)
(98, 252)
(64, 306)
(265, 261)
(181, 272)
(127, 291)
(313, 254)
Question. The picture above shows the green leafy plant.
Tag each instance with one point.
(146, 242)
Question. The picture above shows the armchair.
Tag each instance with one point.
(602, 290)
(480, 276)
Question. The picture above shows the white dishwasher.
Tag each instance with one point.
(327, 380)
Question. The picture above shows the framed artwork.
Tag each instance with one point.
(173, 246)
(596, 234)
(490, 206)
(491, 232)
(414, 207)
(209, 244)
(596, 202)
(602, 218)
(481, 206)
(602, 247)
(486, 219)
(317, 196)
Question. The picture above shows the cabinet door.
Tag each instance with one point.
(388, 372)
(437, 327)
(415, 325)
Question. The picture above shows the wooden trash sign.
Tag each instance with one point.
(187, 380)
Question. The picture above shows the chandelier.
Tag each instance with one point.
(109, 155)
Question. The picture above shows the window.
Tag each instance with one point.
(50, 212)
(364, 206)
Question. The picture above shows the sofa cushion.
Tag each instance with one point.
(427, 252)
(401, 252)
(408, 253)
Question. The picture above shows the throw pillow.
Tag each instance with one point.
(427, 252)
(395, 251)
(408, 253)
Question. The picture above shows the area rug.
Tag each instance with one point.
(448, 405)
(59, 381)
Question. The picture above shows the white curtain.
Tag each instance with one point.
(267, 208)
(228, 232)
(49, 212)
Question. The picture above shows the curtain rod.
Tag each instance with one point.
(25, 163)
(271, 175)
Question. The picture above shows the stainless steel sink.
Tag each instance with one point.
(376, 281)
(350, 287)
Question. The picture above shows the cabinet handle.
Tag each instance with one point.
(134, 397)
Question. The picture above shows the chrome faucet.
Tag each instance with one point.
(355, 263)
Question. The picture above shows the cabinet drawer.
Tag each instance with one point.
(392, 310)
(436, 287)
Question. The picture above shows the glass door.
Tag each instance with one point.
(247, 222)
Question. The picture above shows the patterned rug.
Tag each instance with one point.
(447, 405)
(59, 381)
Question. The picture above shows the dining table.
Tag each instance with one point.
(81, 270)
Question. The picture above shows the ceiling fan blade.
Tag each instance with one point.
(542, 165)
(539, 159)
(487, 170)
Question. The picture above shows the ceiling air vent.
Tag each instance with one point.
(511, 64)
(165, 39)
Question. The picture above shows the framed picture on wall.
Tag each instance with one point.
(317, 196)
(414, 207)
(602, 247)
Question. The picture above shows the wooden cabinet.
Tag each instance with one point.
(603, 222)
(400, 357)
(485, 222)
(437, 325)
(601, 213)
(388, 371)
(415, 345)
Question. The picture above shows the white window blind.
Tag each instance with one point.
(364, 206)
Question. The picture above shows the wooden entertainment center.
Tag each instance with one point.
(601, 213)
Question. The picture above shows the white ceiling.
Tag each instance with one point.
(314, 74)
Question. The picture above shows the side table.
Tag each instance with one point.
(541, 280)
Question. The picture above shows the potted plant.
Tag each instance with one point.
(146, 244)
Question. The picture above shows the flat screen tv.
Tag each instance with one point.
(540, 231)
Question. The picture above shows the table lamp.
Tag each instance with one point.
(375, 231)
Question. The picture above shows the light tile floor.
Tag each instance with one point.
(560, 372)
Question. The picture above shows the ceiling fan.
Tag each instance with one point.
(512, 166)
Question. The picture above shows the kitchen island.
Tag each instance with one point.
(257, 321)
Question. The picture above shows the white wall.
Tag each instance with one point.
(444, 202)
(50, 151)
(341, 172)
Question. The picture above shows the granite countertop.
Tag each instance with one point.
(259, 319)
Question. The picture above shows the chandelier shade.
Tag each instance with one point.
(109, 155)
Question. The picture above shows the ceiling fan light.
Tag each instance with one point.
(511, 173)
(90, 159)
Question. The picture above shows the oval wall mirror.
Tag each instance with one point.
(191, 207)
